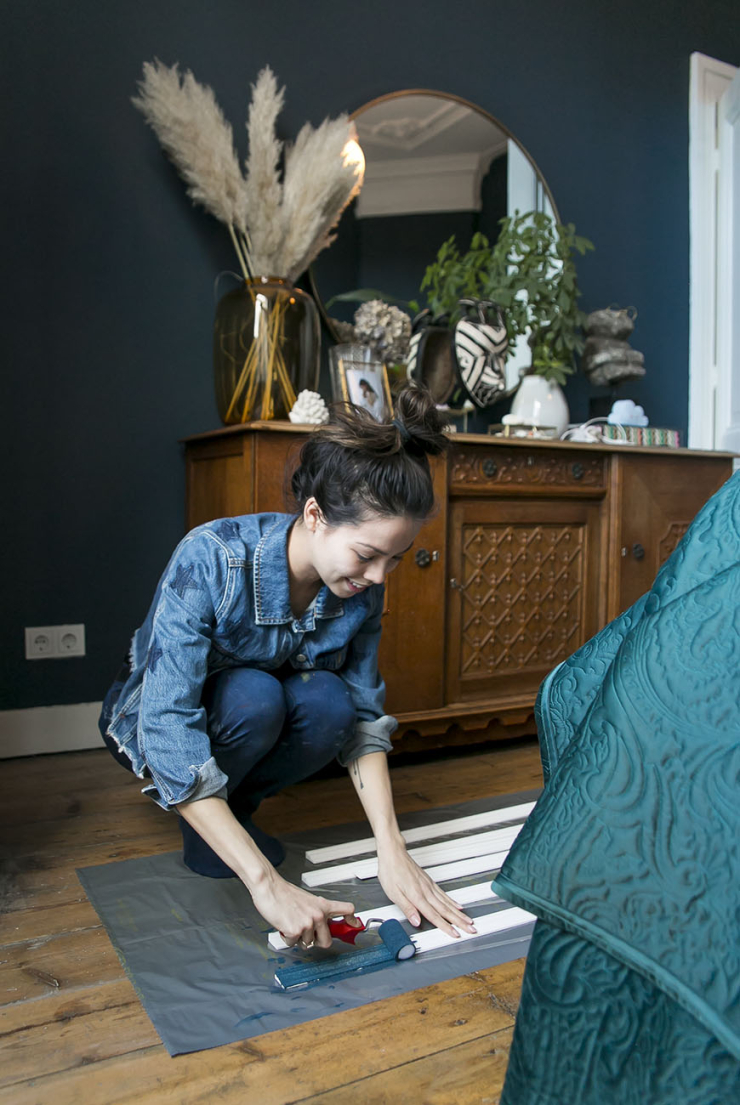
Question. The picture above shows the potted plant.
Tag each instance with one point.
(530, 273)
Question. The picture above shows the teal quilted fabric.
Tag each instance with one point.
(634, 846)
(591, 1031)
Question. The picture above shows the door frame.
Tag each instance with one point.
(709, 251)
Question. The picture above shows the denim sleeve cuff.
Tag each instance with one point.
(369, 736)
(208, 781)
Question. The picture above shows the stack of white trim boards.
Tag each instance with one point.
(444, 861)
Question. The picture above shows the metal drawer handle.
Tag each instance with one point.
(638, 551)
(578, 471)
(490, 468)
(423, 558)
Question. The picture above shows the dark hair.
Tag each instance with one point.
(356, 465)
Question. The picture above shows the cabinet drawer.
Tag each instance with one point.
(481, 470)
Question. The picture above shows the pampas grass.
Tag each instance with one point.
(263, 190)
(277, 226)
(320, 180)
(191, 127)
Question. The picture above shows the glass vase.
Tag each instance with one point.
(266, 343)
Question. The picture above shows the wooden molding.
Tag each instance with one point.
(425, 832)
(502, 920)
(460, 869)
(444, 853)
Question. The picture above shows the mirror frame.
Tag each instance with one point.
(313, 287)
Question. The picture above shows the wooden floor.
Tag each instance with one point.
(72, 1029)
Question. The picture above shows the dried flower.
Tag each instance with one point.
(386, 329)
(277, 227)
(320, 180)
(263, 190)
(190, 126)
(344, 331)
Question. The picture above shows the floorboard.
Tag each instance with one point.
(72, 1028)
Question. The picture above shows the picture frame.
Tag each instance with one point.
(358, 377)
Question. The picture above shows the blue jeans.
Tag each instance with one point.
(267, 730)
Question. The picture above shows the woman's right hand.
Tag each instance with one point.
(298, 916)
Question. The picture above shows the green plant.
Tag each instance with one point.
(530, 273)
(454, 276)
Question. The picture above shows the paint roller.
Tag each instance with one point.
(395, 946)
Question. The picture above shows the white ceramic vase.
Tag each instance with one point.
(540, 402)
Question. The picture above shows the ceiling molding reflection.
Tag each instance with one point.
(422, 185)
(414, 129)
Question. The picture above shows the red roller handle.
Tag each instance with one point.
(342, 930)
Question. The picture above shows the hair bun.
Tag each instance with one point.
(423, 423)
(403, 430)
(356, 466)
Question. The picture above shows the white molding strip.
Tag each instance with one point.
(502, 920)
(43, 729)
(476, 866)
(446, 852)
(466, 895)
(461, 868)
(425, 832)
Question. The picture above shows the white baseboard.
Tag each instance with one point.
(50, 729)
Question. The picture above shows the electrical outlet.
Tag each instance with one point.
(53, 642)
(40, 642)
(70, 640)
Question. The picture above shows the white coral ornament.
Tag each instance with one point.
(309, 409)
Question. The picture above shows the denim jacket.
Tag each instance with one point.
(223, 602)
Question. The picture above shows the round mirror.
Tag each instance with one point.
(435, 165)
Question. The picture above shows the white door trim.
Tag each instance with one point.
(727, 422)
(709, 79)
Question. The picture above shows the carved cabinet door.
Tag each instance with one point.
(658, 499)
(523, 592)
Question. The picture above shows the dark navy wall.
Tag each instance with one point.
(109, 272)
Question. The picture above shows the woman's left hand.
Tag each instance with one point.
(410, 888)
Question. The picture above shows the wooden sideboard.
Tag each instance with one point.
(535, 546)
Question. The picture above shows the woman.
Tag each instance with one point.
(370, 400)
(257, 664)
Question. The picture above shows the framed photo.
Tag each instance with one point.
(359, 378)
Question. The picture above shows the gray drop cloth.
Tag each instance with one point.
(196, 950)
